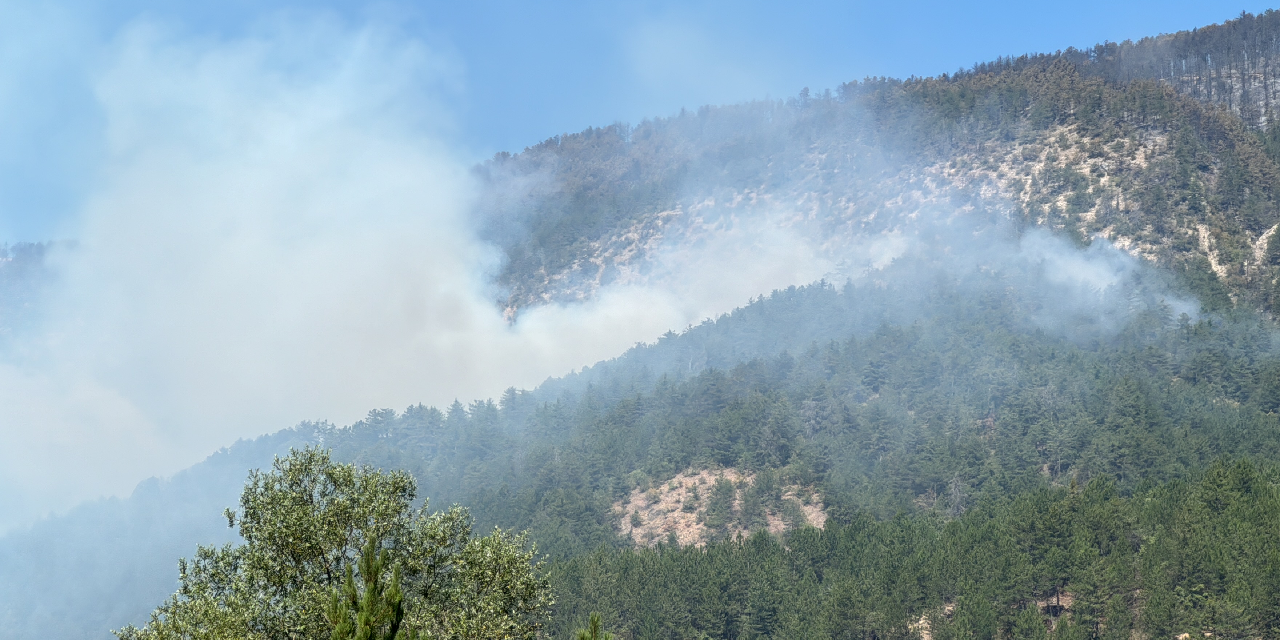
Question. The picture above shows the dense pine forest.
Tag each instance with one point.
(926, 417)
(961, 462)
(1054, 413)
(982, 478)
(1066, 562)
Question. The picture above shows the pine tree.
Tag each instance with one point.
(1029, 625)
(593, 630)
(376, 613)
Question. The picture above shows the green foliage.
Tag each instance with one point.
(1204, 283)
(976, 401)
(998, 471)
(594, 630)
(1029, 624)
(310, 526)
(377, 612)
(720, 505)
(1086, 562)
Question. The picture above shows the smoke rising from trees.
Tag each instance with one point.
(278, 232)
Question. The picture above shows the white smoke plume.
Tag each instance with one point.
(277, 233)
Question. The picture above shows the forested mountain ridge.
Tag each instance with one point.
(1010, 431)
(912, 394)
(1232, 64)
(1180, 560)
(980, 471)
(1179, 168)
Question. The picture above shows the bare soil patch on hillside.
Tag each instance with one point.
(684, 508)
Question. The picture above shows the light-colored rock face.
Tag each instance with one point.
(1160, 167)
(1025, 173)
(653, 513)
(835, 230)
(1058, 178)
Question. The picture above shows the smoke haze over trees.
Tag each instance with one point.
(1011, 331)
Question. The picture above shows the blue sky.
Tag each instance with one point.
(519, 72)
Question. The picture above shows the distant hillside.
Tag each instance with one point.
(995, 426)
(924, 390)
(911, 405)
(1164, 146)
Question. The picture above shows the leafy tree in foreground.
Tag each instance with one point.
(336, 551)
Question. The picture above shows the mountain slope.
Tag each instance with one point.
(975, 347)
(1179, 169)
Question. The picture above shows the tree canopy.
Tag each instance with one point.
(337, 551)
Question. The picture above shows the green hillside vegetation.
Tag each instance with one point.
(1199, 558)
(108, 563)
(934, 407)
(979, 473)
(313, 530)
(974, 471)
(926, 416)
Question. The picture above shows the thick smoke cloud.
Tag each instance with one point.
(277, 233)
